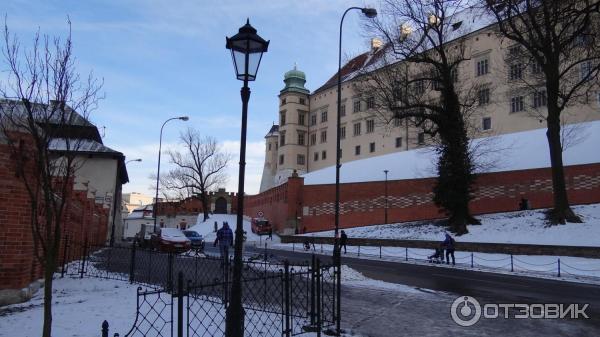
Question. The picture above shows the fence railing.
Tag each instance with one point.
(279, 299)
(547, 265)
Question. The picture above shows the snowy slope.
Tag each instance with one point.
(519, 151)
(512, 227)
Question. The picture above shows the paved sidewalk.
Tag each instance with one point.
(384, 313)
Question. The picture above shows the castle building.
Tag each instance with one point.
(305, 138)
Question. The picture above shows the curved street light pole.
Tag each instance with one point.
(370, 13)
(183, 118)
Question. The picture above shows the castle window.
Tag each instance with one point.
(486, 123)
(300, 138)
(536, 68)
(421, 138)
(282, 139)
(516, 104)
(539, 99)
(302, 101)
(356, 106)
(398, 141)
(516, 71)
(280, 159)
(301, 117)
(269, 146)
(323, 155)
(397, 122)
(357, 129)
(323, 116)
(371, 147)
(323, 136)
(313, 119)
(371, 103)
(300, 159)
(343, 110)
(316, 156)
(370, 126)
(357, 150)
(482, 67)
(343, 132)
(283, 101)
(313, 139)
(483, 96)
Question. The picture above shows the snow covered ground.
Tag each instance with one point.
(81, 305)
(207, 228)
(512, 227)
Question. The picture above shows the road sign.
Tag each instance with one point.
(260, 214)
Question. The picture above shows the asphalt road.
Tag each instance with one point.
(486, 287)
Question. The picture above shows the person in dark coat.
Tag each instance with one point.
(449, 246)
(224, 240)
(271, 234)
(343, 241)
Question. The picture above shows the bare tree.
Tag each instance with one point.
(415, 77)
(562, 43)
(43, 101)
(199, 169)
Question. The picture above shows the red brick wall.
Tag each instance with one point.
(18, 266)
(364, 203)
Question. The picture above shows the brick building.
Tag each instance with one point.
(92, 211)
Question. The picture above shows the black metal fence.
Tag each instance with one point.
(189, 295)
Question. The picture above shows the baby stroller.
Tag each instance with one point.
(437, 257)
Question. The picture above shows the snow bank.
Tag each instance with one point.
(526, 227)
(519, 151)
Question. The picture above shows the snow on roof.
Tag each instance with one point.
(461, 23)
(509, 152)
(80, 145)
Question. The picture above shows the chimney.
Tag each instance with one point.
(375, 44)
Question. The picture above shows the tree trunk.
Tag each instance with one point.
(204, 200)
(561, 213)
(453, 188)
(48, 279)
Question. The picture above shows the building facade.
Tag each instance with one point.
(305, 138)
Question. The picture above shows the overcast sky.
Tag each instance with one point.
(161, 59)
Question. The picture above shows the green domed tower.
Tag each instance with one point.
(292, 140)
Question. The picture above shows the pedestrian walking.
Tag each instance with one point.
(449, 246)
(271, 234)
(343, 241)
(224, 240)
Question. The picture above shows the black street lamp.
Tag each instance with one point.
(247, 49)
(386, 197)
(129, 161)
(182, 118)
(370, 13)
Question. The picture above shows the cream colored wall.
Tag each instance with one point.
(134, 200)
(292, 108)
(503, 121)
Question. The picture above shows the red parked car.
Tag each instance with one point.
(260, 226)
(171, 240)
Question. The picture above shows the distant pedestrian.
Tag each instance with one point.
(271, 234)
(224, 240)
(343, 241)
(449, 246)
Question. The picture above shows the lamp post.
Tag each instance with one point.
(386, 197)
(185, 119)
(246, 49)
(370, 13)
(129, 161)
